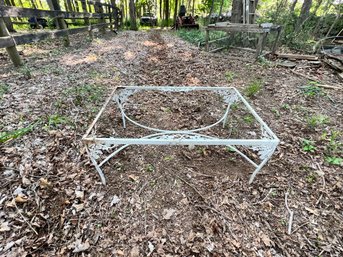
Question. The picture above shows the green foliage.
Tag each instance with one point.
(334, 160)
(25, 71)
(4, 88)
(150, 168)
(253, 88)
(311, 178)
(317, 120)
(249, 119)
(53, 121)
(82, 95)
(6, 136)
(308, 146)
(276, 113)
(230, 75)
(195, 36)
(311, 90)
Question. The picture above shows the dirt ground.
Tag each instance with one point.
(164, 201)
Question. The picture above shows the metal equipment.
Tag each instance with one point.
(101, 149)
(183, 21)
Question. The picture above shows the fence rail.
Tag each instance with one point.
(105, 15)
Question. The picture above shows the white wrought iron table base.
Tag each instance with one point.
(264, 146)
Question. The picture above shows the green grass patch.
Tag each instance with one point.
(4, 88)
(196, 36)
(253, 88)
(10, 135)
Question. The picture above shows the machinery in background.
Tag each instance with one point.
(183, 21)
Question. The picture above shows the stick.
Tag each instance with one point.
(315, 80)
(290, 221)
(24, 217)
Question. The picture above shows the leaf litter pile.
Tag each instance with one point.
(164, 201)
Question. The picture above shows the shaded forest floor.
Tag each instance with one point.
(173, 201)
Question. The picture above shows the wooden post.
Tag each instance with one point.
(276, 42)
(60, 21)
(207, 37)
(11, 50)
(84, 9)
(98, 9)
(261, 40)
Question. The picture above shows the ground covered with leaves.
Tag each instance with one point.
(165, 201)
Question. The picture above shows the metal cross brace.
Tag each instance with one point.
(265, 145)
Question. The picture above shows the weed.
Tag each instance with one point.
(85, 93)
(308, 145)
(285, 107)
(273, 193)
(6, 136)
(168, 158)
(253, 88)
(276, 113)
(334, 160)
(229, 75)
(234, 106)
(4, 88)
(53, 121)
(230, 149)
(249, 119)
(25, 71)
(317, 120)
(311, 178)
(150, 168)
(311, 90)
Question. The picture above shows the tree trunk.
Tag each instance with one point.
(161, 15)
(326, 8)
(166, 8)
(132, 9)
(211, 11)
(294, 3)
(175, 12)
(220, 9)
(338, 16)
(305, 12)
(237, 11)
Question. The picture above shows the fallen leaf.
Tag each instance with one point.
(134, 178)
(21, 198)
(44, 183)
(79, 207)
(81, 247)
(134, 252)
(115, 200)
(266, 240)
(79, 194)
(120, 252)
(151, 248)
(4, 227)
(315, 212)
(167, 213)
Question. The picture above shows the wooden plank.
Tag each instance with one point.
(298, 56)
(237, 29)
(10, 11)
(6, 42)
(36, 37)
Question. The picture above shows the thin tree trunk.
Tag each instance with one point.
(132, 9)
(175, 12)
(338, 16)
(166, 7)
(211, 11)
(305, 12)
(294, 3)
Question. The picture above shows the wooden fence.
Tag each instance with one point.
(102, 15)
